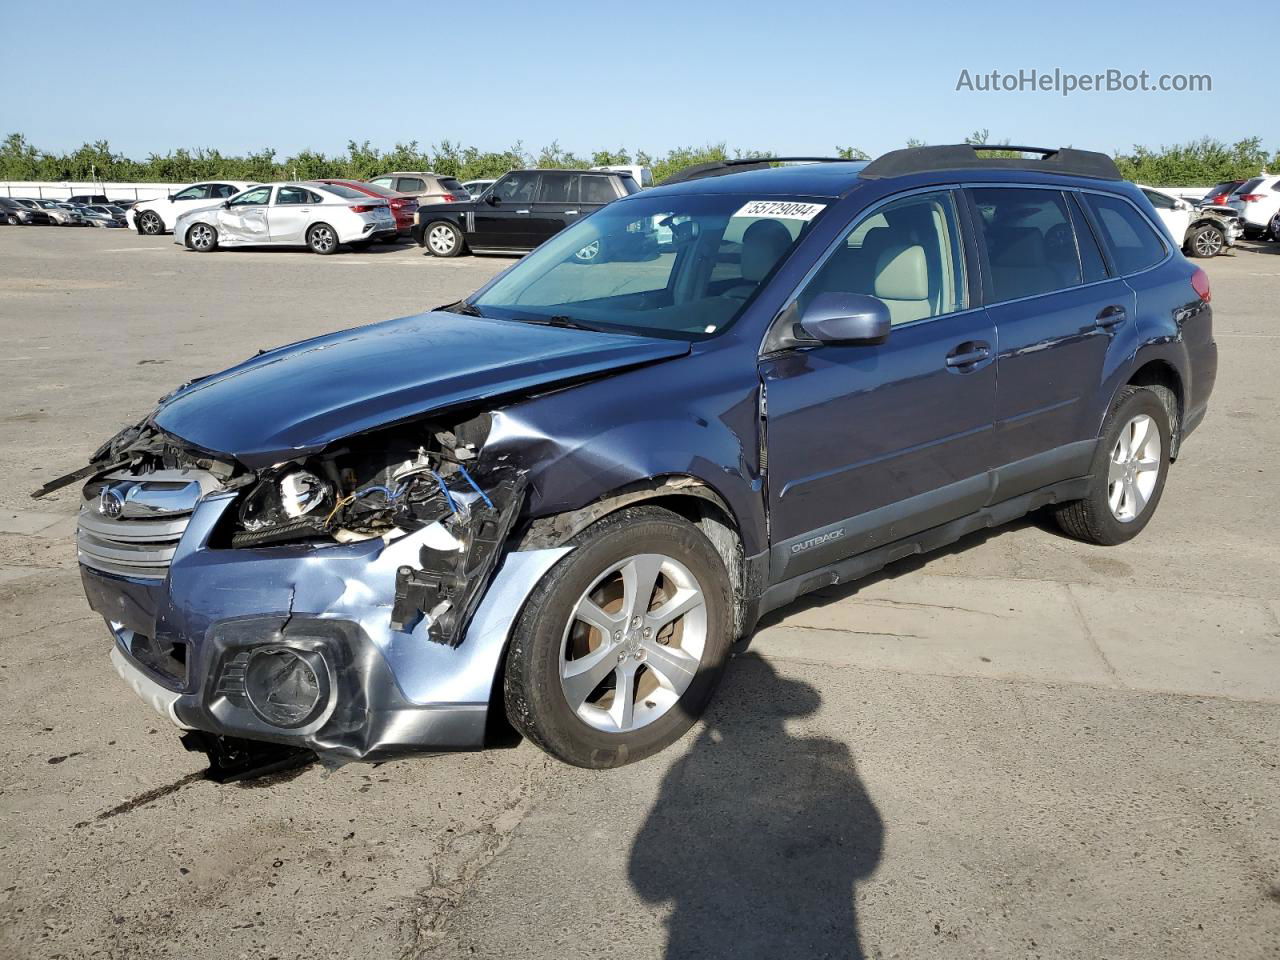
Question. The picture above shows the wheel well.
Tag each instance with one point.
(1158, 373)
(686, 496)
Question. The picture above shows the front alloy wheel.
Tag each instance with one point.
(444, 240)
(202, 238)
(149, 222)
(619, 648)
(1208, 241)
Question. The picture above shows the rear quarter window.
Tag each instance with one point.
(598, 190)
(1132, 242)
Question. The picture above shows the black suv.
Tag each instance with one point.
(519, 211)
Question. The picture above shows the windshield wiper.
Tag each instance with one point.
(560, 320)
(462, 307)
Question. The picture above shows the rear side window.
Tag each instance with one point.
(1249, 185)
(598, 190)
(295, 195)
(1030, 241)
(410, 185)
(1091, 262)
(222, 190)
(559, 188)
(1132, 242)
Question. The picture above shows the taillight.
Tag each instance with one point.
(1252, 197)
(447, 198)
(1200, 283)
(361, 208)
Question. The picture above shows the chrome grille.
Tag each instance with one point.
(130, 526)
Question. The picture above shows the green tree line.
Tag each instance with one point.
(1201, 161)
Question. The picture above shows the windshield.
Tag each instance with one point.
(679, 266)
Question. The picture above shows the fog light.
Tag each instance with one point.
(286, 687)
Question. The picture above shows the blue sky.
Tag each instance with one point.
(794, 77)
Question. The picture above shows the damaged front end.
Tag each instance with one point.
(353, 602)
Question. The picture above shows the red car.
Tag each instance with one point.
(402, 207)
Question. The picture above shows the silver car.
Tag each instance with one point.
(60, 214)
(318, 216)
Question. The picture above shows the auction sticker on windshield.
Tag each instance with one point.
(785, 209)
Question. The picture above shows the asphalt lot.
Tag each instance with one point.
(1022, 747)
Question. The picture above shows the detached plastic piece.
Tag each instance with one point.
(450, 584)
(232, 759)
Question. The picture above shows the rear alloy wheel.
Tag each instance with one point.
(1128, 471)
(619, 649)
(322, 239)
(443, 239)
(202, 238)
(149, 223)
(1275, 227)
(1208, 241)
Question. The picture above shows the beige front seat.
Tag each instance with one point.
(902, 282)
(763, 245)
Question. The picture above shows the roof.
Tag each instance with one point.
(828, 179)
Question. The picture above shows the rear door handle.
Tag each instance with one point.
(522, 211)
(571, 213)
(967, 354)
(1110, 316)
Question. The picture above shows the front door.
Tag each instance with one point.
(244, 218)
(503, 219)
(870, 443)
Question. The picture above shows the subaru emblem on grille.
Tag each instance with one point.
(110, 503)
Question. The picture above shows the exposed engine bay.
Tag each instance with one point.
(422, 476)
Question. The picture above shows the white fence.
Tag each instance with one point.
(60, 191)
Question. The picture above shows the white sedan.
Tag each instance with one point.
(314, 215)
(154, 217)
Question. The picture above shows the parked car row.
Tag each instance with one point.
(25, 211)
(1201, 230)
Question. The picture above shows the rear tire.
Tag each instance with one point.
(443, 239)
(1128, 471)
(1275, 227)
(598, 697)
(322, 239)
(202, 238)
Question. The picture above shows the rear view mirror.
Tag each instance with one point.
(846, 318)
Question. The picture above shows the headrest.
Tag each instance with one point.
(763, 244)
(1021, 247)
(901, 274)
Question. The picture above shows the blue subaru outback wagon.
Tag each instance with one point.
(558, 502)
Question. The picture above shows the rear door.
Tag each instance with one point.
(556, 206)
(1063, 321)
(245, 217)
(290, 214)
(502, 219)
(869, 443)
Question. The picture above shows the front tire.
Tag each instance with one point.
(202, 238)
(149, 223)
(443, 239)
(1275, 227)
(1208, 241)
(1128, 472)
(620, 647)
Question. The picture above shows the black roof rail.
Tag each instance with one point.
(718, 168)
(967, 156)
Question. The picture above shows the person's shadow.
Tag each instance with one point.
(758, 838)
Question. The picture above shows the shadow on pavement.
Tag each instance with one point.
(758, 838)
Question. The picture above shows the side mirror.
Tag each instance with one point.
(491, 200)
(226, 204)
(846, 318)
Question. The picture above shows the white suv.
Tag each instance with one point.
(1258, 203)
(154, 217)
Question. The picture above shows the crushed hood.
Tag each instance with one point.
(297, 399)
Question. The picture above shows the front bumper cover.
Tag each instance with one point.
(392, 691)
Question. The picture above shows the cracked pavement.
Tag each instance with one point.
(1020, 747)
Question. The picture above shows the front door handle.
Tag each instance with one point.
(968, 354)
(522, 211)
(571, 213)
(1110, 316)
